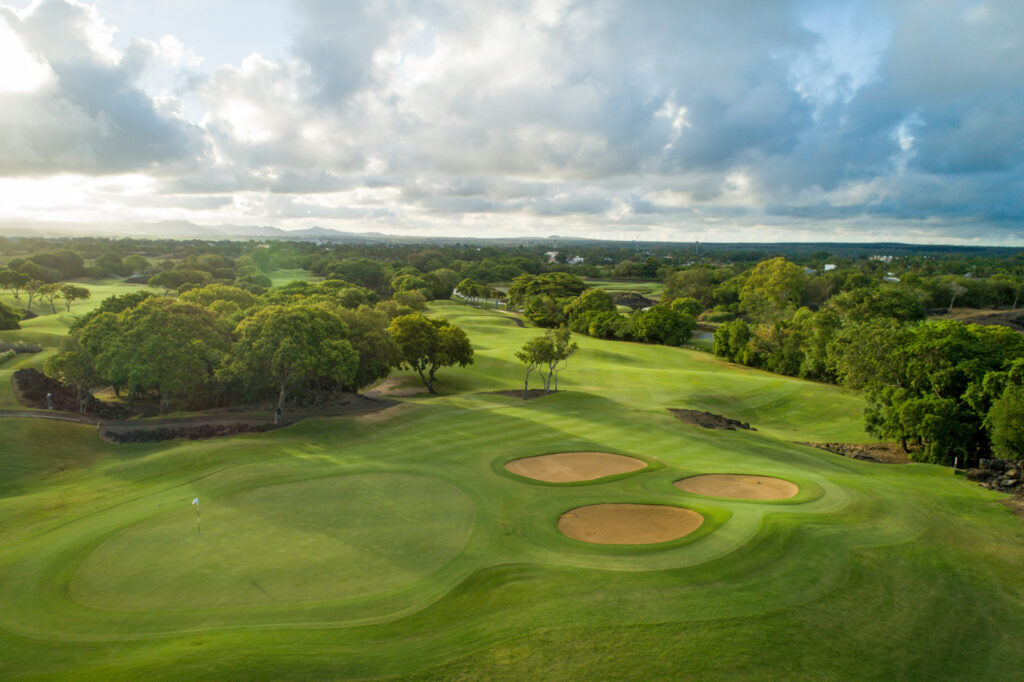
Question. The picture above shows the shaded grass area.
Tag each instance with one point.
(394, 547)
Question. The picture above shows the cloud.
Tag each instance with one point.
(90, 117)
(551, 115)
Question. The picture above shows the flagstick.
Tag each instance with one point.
(199, 530)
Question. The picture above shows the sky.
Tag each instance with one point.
(734, 120)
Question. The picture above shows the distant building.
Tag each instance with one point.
(883, 259)
(552, 256)
(891, 279)
(576, 260)
(829, 267)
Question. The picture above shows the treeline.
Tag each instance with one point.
(559, 299)
(220, 345)
(951, 390)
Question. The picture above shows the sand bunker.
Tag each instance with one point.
(570, 467)
(628, 524)
(739, 486)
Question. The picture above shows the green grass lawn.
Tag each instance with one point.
(650, 288)
(282, 277)
(396, 545)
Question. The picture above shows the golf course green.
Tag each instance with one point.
(397, 544)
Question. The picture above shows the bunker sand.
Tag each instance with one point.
(572, 467)
(628, 524)
(739, 486)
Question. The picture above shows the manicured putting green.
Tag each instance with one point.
(739, 486)
(573, 467)
(315, 540)
(628, 524)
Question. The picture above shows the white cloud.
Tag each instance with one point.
(21, 72)
(544, 116)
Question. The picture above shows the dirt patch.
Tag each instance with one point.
(885, 453)
(708, 420)
(395, 387)
(1016, 505)
(518, 393)
(628, 524)
(1014, 319)
(632, 300)
(739, 486)
(572, 467)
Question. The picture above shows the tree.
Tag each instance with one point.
(545, 311)
(661, 324)
(535, 353)
(773, 289)
(50, 292)
(70, 293)
(291, 347)
(687, 306)
(206, 296)
(955, 290)
(171, 348)
(9, 319)
(698, 282)
(13, 281)
(111, 263)
(554, 285)
(591, 300)
(442, 281)
(39, 272)
(468, 289)
(74, 366)
(136, 264)
(377, 351)
(1006, 423)
(562, 348)
(176, 279)
(113, 304)
(861, 305)
(427, 345)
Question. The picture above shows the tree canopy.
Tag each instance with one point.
(427, 345)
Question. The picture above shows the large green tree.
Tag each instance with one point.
(427, 345)
(291, 348)
(13, 281)
(71, 293)
(773, 289)
(661, 324)
(73, 365)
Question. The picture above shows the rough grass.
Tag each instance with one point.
(355, 548)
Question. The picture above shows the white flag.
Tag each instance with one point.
(195, 501)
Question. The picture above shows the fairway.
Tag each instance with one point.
(405, 543)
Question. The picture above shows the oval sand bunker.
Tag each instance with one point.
(628, 524)
(739, 486)
(572, 467)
